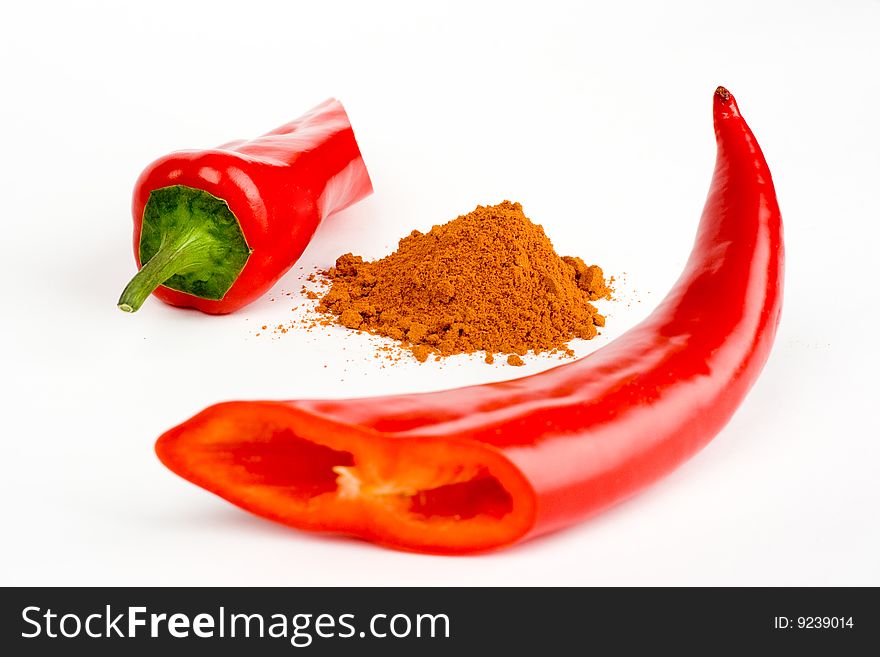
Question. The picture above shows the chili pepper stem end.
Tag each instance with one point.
(190, 242)
(170, 259)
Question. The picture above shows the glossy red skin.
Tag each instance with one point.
(589, 434)
(279, 186)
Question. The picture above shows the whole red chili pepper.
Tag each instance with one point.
(482, 467)
(215, 229)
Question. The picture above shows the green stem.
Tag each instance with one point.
(173, 257)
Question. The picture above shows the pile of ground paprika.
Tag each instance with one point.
(488, 281)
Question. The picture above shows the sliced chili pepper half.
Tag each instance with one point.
(292, 466)
(482, 467)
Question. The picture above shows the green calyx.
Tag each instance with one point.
(190, 242)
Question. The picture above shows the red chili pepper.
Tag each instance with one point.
(215, 229)
(481, 467)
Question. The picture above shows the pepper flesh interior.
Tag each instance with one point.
(479, 494)
(306, 471)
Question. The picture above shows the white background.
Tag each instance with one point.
(597, 117)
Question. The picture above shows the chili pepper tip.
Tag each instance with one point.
(723, 93)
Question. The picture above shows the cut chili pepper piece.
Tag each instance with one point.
(482, 467)
(215, 229)
(302, 470)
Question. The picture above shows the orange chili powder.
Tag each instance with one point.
(487, 281)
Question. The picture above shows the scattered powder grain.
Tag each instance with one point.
(487, 281)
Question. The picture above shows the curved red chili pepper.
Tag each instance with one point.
(484, 466)
(279, 187)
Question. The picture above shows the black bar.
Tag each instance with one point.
(683, 620)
